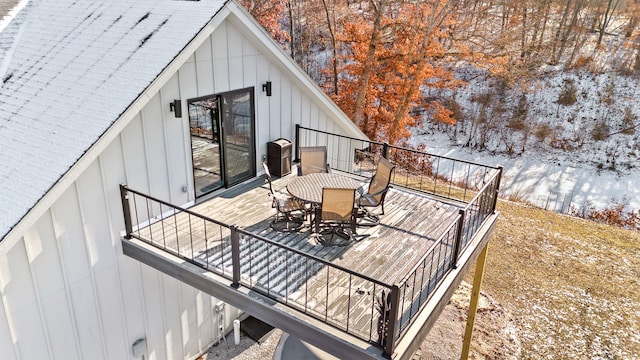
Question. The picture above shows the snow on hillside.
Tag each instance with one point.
(548, 181)
(559, 156)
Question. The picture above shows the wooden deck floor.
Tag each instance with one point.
(386, 252)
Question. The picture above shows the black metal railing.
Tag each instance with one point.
(479, 209)
(312, 285)
(426, 275)
(434, 174)
(301, 281)
(475, 185)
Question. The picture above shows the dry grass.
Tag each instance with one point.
(439, 186)
(572, 284)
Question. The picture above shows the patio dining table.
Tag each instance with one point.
(308, 188)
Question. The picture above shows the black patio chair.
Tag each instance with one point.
(285, 220)
(376, 192)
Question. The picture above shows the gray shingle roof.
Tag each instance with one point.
(68, 69)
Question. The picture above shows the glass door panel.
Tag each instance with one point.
(223, 146)
(238, 135)
(204, 126)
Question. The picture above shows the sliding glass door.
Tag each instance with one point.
(237, 122)
(222, 139)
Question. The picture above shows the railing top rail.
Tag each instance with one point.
(261, 238)
(176, 207)
(402, 148)
(444, 157)
(342, 136)
(431, 249)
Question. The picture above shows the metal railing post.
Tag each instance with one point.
(297, 144)
(235, 256)
(126, 210)
(495, 199)
(458, 245)
(385, 151)
(392, 330)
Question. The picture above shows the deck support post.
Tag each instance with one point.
(235, 256)
(473, 303)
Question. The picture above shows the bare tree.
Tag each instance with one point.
(567, 30)
(291, 30)
(605, 17)
(334, 47)
(633, 11)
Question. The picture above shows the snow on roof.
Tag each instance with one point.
(68, 70)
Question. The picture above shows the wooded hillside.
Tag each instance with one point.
(384, 60)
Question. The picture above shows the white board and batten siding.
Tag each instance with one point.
(67, 290)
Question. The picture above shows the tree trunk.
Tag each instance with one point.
(334, 60)
(363, 84)
(291, 27)
(560, 32)
(606, 18)
(523, 36)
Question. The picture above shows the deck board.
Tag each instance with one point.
(409, 227)
(386, 252)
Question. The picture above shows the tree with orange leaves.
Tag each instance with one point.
(268, 14)
(391, 58)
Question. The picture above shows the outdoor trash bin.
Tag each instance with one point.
(279, 157)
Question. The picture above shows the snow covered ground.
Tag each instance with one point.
(548, 181)
(569, 164)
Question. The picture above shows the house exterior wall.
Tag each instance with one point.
(66, 289)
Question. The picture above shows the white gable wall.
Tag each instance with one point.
(67, 290)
